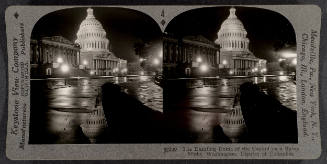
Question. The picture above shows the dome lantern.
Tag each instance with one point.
(232, 12)
(90, 13)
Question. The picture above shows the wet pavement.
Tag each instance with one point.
(199, 106)
(61, 106)
(194, 110)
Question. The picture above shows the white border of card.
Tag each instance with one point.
(306, 20)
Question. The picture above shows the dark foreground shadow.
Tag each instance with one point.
(267, 120)
(129, 121)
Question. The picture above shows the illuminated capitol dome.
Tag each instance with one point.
(94, 44)
(232, 35)
(91, 36)
(235, 57)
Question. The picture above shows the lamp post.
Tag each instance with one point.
(156, 62)
(224, 62)
(64, 69)
(85, 63)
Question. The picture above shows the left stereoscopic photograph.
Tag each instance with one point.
(85, 61)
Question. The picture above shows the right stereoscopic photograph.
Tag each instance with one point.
(229, 76)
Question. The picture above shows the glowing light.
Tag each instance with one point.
(283, 78)
(231, 72)
(294, 61)
(255, 80)
(142, 73)
(91, 73)
(263, 70)
(115, 70)
(124, 70)
(143, 78)
(224, 62)
(288, 54)
(264, 79)
(64, 68)
(85, 62)
(60, 60)
(281, 73)
(224, 82)
(199, 59)
(160, 54)
(255, 69)
(116, 80)
(204, 68)
(141, 59)
(156, 61)
(280, 59)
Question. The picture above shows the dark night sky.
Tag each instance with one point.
(265, 28)
(123, 27)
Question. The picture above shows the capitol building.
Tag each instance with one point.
(235, 56)
(95, 53)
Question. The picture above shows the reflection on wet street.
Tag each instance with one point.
(60, 107)
(200, 106)
(198, 110)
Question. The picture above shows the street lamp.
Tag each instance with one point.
(64, 68)
(281, 59)
(59, 60)
(294, 61)
(224, 62)
(85, 62)
(115, 70)
(204, 68)
(281, 73)
(124, 70)
(156, 61)
(199, 59)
